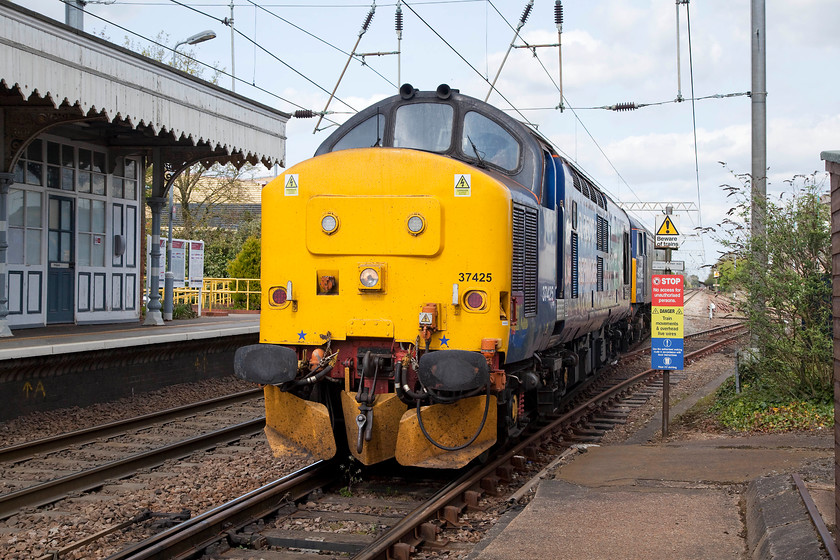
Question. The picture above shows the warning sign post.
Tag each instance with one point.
(667, 233)
(666, 337)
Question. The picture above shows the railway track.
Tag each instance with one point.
(267, 517)
(44, 471)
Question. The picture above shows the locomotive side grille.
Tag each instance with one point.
(600, 277)
(531, 234)
(603, 235)
(574, 265)
(524, 271)
(518, 270)
(576, 180)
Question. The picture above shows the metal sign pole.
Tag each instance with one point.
(666, 401)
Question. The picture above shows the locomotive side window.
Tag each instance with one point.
(424, 126)
(364, 135)
(485, 140)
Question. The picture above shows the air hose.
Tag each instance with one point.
(459, 447)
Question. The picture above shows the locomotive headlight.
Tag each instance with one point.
(416, 224)
(329, 224)
(369, 278)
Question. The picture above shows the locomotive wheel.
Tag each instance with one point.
(513, 419)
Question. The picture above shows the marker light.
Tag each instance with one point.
(278, 296)
(329, 223)
(475, 300)
(369, 278)
(416, 224)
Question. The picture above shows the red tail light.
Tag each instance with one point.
(278, 296)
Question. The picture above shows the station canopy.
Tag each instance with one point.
(57, 79)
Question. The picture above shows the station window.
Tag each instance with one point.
(29, 169)
(91, 224)
(25, 227)
(124, 179)
(61, 166)
(91, 175)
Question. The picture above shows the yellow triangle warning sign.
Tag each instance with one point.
(667, 227)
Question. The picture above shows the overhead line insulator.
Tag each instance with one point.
(526, 12)
(628, 106)
(558, 15)
(368, 19)
(304, 114)
(399, 20)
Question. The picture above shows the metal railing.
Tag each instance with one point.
(221, 293)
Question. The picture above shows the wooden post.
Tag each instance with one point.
(832, 165)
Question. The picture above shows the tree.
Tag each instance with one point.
(202, 193)
(792, 330)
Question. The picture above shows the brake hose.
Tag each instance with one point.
(459, 447)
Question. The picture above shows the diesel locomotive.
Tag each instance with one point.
(433, 279)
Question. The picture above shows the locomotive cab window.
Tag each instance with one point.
(366, 134)
(488, 142)
(424, 126)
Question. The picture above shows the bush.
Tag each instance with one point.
(757, 410)
(183, 311)
(786, 273)
(247, 265)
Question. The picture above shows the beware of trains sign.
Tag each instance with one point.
(667, 234)
(666, 337)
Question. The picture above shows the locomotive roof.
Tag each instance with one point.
(379, 126)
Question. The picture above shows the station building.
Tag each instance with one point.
(81, 119)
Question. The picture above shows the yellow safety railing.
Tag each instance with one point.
(222, 293)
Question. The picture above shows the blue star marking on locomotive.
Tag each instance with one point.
(301, 336)
(444, 341)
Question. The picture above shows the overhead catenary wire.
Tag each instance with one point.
(467, 62)
(265, 9)
(266, 51)
(577, 117)
(182, 55)
(694, 127)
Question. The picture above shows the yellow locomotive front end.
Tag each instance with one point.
(385, 273)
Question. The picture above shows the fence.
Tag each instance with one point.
(222, 293)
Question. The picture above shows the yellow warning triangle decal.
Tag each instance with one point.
(291, 184)
(462, 184)
(667, 227)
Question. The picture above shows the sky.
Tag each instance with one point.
(288, 55)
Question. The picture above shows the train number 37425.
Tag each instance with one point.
(475, 277)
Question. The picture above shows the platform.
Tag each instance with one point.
(69, 366)
(65, 339)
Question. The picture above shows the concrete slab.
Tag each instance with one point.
(732, 463)
(567, 521)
